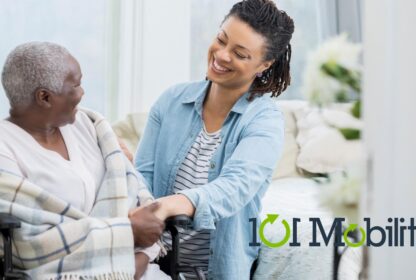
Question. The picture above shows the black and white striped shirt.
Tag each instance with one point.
(193, 173)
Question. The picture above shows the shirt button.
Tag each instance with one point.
(210, 251)
(212, 165)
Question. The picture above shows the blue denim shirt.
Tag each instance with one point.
(240, 169)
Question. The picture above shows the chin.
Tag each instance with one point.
(72, 118)
(223, 81)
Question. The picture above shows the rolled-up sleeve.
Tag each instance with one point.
(248, 168)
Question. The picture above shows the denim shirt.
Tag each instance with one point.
(239, 174)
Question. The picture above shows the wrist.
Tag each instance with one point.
(164, 210)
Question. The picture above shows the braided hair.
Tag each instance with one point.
(277, 28)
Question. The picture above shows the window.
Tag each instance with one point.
(130, 51)
(76, 24)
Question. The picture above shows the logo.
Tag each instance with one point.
(271, 218)
(394, 234)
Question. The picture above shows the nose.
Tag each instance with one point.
(223, 55)
(80, 93)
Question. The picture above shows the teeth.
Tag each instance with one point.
(217, 67)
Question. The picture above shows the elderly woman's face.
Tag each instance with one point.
(65, 103)
(236, 55)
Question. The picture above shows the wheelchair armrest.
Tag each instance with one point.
(7, 221)
(172, 225)
(7, 224)
(182, 221)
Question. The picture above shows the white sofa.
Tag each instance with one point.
(311, 146)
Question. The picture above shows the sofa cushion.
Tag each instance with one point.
(131, 129)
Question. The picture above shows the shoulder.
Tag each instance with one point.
(84, 123)
(6, 139)
(9, 132)
(83, 119)
(264, 107)
(183, 92)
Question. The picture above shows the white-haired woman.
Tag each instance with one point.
(63, 175)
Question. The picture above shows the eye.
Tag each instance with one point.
(241, 56)
(220, 41)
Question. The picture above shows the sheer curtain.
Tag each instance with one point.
(131, 51)
(339, 16)
(66, 22)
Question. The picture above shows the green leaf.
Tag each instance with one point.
(341, 96)
(356, 109)
(350, 133)
(343, 75)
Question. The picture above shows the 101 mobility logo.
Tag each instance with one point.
(395, 234)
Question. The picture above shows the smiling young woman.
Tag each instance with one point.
(210, 147)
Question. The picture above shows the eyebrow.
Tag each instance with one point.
(240, 46)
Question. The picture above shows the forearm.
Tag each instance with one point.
(174, 205)
(141, 262)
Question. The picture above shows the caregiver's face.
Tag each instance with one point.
(236, 55)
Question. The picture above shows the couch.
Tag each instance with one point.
(312, 146)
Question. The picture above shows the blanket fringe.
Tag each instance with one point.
(106, 276)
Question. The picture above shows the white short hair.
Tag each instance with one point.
(32, 66)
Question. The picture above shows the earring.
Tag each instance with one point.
(259, 75)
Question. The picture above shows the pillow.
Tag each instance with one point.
(323, 149)
(131, 129)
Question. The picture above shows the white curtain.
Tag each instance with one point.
(337, 16)
(66, 22)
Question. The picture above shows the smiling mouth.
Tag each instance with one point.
(218, 68)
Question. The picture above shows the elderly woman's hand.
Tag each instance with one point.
(147, 227)
(141, 260)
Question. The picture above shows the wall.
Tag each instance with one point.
(389, 101)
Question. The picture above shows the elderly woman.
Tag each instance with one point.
(63, 175)
(214, 143)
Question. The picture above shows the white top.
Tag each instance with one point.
(193, 172)
(74, 181)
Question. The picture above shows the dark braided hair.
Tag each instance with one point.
(277, 28)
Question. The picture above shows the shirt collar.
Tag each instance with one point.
(198, 96)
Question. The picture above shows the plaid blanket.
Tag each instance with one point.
(58, 241)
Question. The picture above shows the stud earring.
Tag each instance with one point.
(259, 74)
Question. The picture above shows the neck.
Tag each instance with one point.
(34, 124)
(220, 99)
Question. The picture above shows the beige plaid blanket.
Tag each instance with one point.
(58, 241)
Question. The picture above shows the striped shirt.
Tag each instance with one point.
(193, 172)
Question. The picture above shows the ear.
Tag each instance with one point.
(43, 98)
(266, 65)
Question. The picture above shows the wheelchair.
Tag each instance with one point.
(8, 223)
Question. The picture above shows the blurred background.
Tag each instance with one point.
(130, 51)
